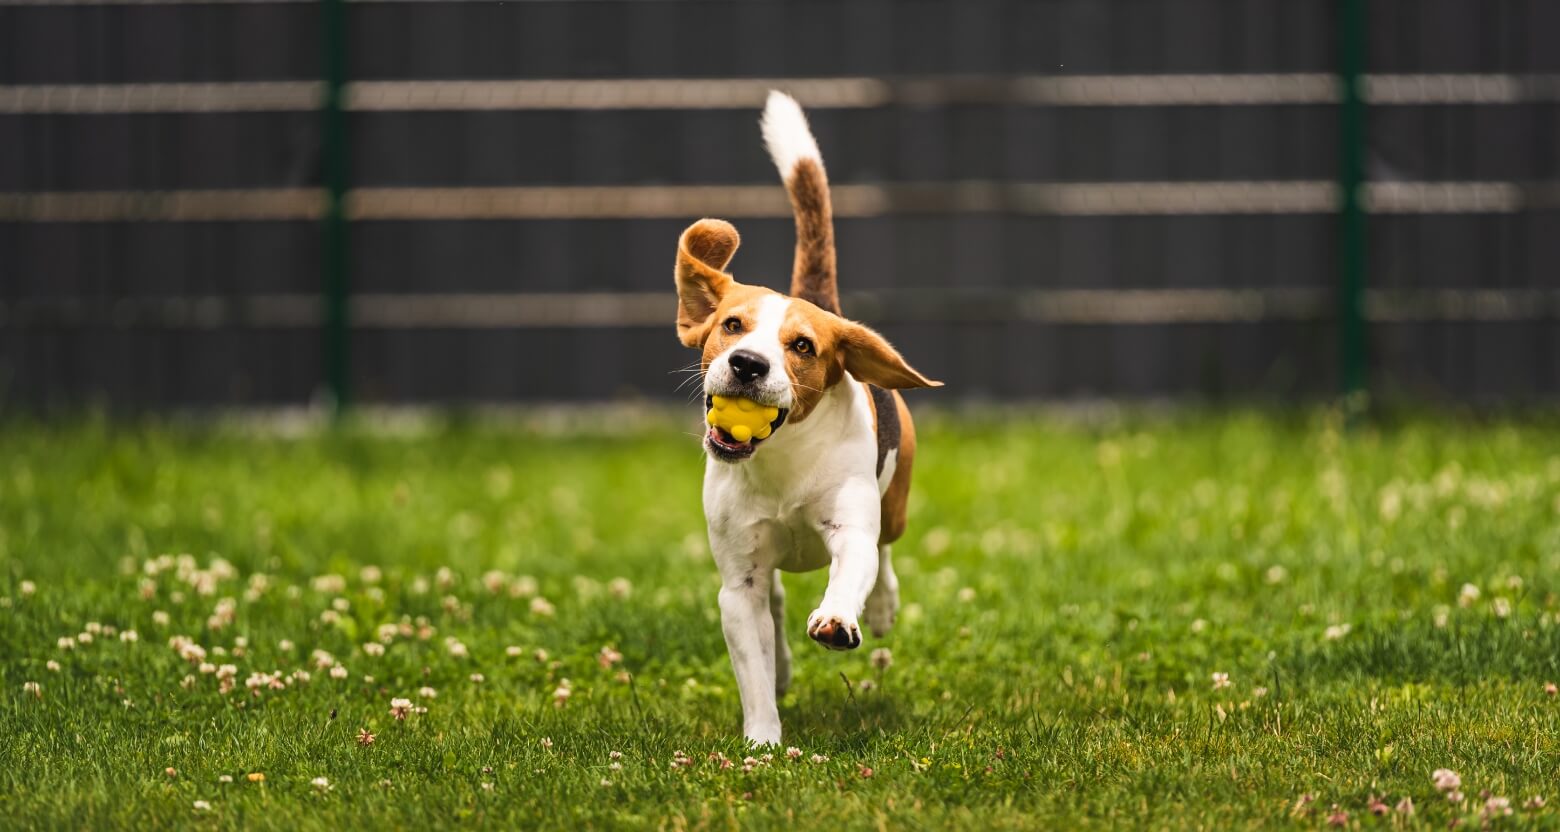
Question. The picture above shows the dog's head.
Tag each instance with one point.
(758, 344)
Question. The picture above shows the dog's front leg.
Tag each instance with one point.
(849, 528)
(750, 639)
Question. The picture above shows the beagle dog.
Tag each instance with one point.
(828, 483)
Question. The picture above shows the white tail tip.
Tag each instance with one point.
(786, 133)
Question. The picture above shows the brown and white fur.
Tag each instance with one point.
(829, 486)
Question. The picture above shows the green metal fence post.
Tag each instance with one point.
(334, 162)
(1351, 182)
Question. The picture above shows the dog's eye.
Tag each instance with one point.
(803, 346)
(732, 325)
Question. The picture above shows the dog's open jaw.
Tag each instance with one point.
(725, 447)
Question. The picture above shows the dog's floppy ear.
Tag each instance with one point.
(704, 250)
(869, 358)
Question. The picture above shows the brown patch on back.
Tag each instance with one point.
(896, 499)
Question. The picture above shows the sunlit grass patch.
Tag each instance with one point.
(1201, 620)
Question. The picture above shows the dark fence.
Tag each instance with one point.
(1036, 199)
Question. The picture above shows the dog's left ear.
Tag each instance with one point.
(870, 358)
(704, 250)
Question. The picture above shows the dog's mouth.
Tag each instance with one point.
(727, 448)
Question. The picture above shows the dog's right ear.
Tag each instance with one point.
(704, 250)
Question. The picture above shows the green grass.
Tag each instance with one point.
(1070, 591)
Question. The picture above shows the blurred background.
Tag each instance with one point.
(275, 203)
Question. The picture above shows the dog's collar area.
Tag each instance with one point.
(726, 447)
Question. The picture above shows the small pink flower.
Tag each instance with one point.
(1338, 817)
(1445, 780)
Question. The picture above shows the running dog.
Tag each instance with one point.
(827, 482)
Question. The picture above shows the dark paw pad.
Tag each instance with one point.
(836, 635)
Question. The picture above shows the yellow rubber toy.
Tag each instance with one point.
(744, 419)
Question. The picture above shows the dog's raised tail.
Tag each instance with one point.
(795, 152)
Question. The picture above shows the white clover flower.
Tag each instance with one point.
(793, 752)
(427, 693)
(881, 658)
(542, 607)
(33, 689)
(66, 643)
(1445, 780)
(338, 672)
(160, 618)
(477, 678)
(399, 708)
(1501, 607)
(513, 651)
(320, 784)
(202, 806)
(130, 636)
(1337, 631)
(52, 665)
(1467, 595)
(524, 586)
(374, 648)
(620, 588)
(1221, 680)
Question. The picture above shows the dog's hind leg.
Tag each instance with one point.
(782, 648)
(883, 602)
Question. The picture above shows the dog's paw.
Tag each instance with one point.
(881, 609)
(834, 631)
(760, 736)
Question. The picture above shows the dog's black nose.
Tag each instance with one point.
(748, 365)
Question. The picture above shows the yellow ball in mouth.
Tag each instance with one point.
(744, 419)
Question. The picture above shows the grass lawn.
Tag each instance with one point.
(1384, 602)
